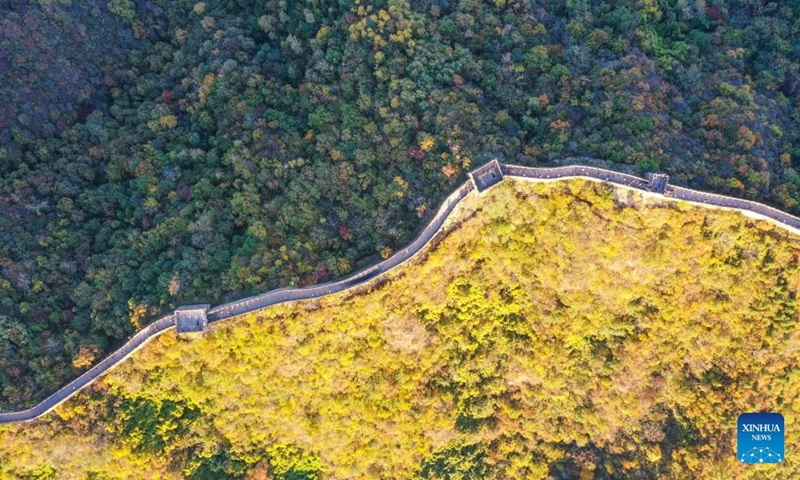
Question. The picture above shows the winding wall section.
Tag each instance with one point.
(250, 304)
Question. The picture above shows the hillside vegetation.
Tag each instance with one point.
(155, 153)
(563, 329)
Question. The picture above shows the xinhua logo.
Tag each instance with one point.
(760, 438)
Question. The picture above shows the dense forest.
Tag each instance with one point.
(161, 152)
(558, 331)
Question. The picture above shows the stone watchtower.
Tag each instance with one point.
(487, 175)
(658, 182)
(191, 318)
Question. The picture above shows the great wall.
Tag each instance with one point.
(195, 318)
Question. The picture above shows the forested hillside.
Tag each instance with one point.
(159, 152)
(559, 331)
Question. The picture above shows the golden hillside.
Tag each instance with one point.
(564, 329)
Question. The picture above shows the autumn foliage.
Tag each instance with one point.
(562, 330)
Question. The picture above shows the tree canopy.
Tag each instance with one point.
(163, 152)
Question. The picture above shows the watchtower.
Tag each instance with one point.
(657, 182)
(191, 318)
(486, 175)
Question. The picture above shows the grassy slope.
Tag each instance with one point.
(552, 330)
